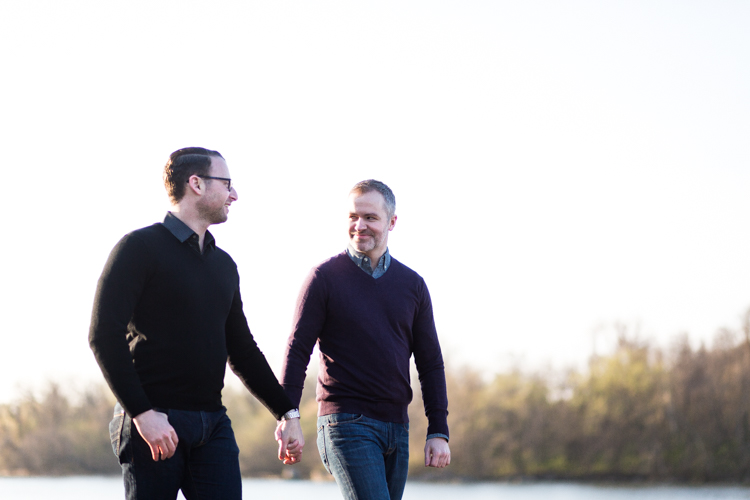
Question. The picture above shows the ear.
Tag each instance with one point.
(195, 184)
(393, 222)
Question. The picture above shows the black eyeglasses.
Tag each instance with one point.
(229, 181)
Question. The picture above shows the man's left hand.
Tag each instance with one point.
(291, 441)
(437, 453)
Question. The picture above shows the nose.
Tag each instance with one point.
(233, 194)
(360, 224)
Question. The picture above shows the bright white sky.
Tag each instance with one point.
(558, 166)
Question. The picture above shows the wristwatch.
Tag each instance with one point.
(290, 414)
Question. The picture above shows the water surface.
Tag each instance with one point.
(102, 488)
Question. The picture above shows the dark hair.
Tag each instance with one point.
(363, 187)
(181, 165)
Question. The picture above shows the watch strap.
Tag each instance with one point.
(290, 414)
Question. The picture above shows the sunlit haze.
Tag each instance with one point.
(558, 166)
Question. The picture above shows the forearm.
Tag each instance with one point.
(308, 322)
(435, 399)
(254, 371)
(116, 364)
(294, 370)
(118, 291)
(248, 362)
(428, 358)
(437, 424)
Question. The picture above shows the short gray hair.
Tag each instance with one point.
(363, 187)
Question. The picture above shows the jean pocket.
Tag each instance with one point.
(115, 431)
(337, 419)
(321, 442)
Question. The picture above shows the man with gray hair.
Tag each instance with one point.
(368, 314)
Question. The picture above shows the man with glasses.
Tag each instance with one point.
(368, 314)
(167, 317)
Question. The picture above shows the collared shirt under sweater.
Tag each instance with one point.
(367, 330)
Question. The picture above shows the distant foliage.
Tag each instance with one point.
(636, 413)
(53, 436)
(633, 415)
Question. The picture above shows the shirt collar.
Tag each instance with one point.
(363, 262)
(182, 232)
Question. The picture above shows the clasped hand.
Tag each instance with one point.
(291, 441)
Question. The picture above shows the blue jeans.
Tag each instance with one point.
(204, 466)
(368, 458)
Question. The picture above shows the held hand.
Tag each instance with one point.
(154, 428)
(437, 453)
(291, 441)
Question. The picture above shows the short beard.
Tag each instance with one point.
(375, 242)
(211, 215)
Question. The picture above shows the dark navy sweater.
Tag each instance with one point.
(367, 330)
(166, 319)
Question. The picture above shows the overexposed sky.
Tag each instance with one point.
(558, 166)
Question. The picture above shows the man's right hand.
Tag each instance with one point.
(154, 428)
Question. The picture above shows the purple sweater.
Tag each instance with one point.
(366, 330)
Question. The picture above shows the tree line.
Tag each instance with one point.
(636, 413)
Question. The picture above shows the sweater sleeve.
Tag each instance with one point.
(309, 318)
(248, 362)
(120, 286)
(429, 361)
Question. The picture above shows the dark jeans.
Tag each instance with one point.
(368, 458)
(205, 465)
